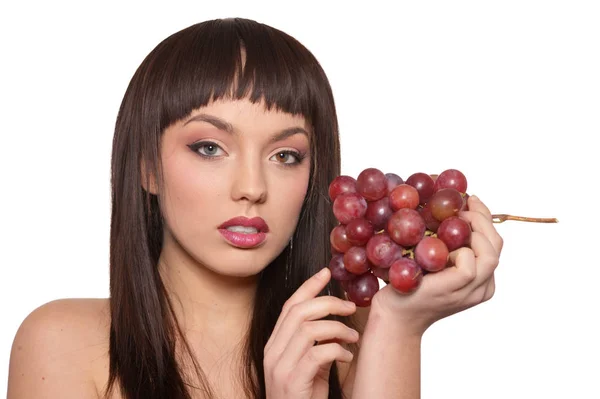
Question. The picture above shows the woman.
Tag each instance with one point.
(225, 144)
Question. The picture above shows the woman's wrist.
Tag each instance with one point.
(389, 361)
(382, 318)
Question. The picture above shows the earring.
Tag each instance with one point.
(289, 260)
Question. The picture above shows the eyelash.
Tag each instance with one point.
(196, 146)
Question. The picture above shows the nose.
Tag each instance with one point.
(249, 183)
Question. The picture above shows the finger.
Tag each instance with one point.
(490, 289)
(320, 357)
(476, 205)
(309, 332)
(309, 289)
(480, 294)
(313, 309)
(480, 223)
(460, 272)
(485, 255)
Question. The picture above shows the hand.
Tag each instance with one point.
(466, 282)
(294, 366)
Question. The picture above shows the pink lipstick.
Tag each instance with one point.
(243, 232)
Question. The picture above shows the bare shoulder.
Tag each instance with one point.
(60, 349)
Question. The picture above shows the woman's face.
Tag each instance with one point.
(231, 159)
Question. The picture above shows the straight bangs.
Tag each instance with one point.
(233, 59)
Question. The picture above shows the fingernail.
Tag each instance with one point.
(349, 304)
(323, 272)
(474, 197)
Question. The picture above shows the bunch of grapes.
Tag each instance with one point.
(395, 230)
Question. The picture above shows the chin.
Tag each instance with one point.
(236, 262)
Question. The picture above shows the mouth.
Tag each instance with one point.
(242, 232)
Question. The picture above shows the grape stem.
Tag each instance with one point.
(504, 217)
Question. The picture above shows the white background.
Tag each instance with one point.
(508, 92)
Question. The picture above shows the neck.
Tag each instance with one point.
(210, 307)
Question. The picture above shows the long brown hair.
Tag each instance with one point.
(184, 72)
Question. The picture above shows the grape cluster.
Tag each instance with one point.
(393, 229)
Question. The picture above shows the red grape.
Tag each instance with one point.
(342, 184)
(424, 185)
(349, 206)
(378, 213)
(430, 222)
(431, 254)
(382, 251)
(393, 180)
(404, 196)
(355, 260)
(362, 289)
(331, 248)
(359, 231)
(346, 283)
(382, 273)
(406, 227)
(405, 275)
(382, 218)
(338, 270)
(451, 178)
(445, 203)
(454, 232)
(339, 239)
(372, 184)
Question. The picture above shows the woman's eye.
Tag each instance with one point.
(207, 149)
(287, 157)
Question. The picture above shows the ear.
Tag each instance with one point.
(148, 179)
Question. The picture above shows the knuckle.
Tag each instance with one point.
(344, 328)
(493, 261)
(499, 243)
(457, 299)
(461, 253)
(286, 307)
(313, 354)
(295, 310)
(305, 329)
(483, 296)
(469, 274)
(339, 349)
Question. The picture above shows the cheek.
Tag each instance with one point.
(190, 194)
(287, 196)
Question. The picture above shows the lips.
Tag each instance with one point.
(257, 222)
(245, 240)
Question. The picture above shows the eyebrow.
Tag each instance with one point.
(227, 127)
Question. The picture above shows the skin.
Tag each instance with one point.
(61, 348)
(213, 282)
